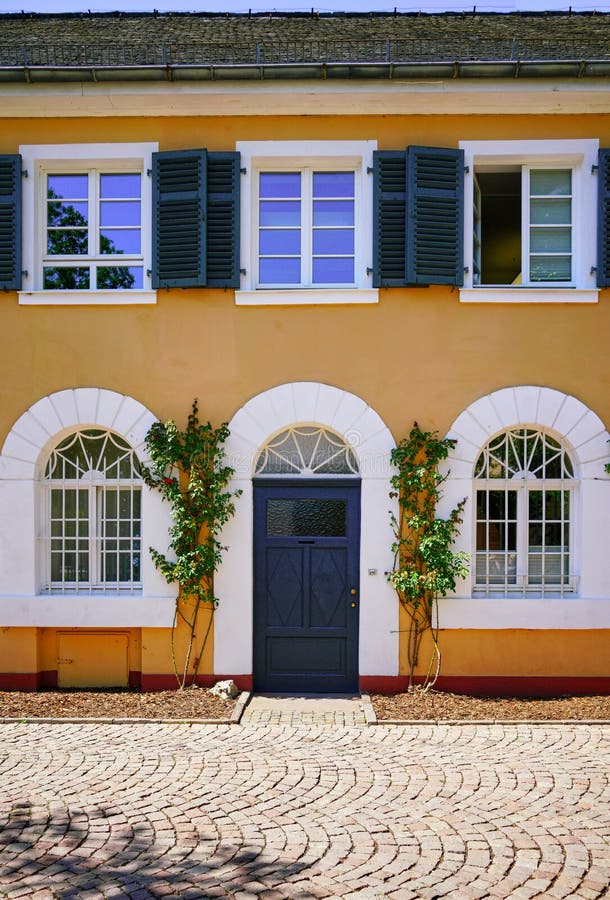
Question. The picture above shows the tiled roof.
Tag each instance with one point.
(117, 40)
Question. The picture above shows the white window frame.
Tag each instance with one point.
(522, 487)
(38, 160)
(278, 156)
(578, 155)
(97, 486)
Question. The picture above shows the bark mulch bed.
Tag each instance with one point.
(441, 705)
(191, 703)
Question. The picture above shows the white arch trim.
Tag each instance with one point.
(46, 422)
(581, 429)
(23, 455)
(587, 440)
(351, 417)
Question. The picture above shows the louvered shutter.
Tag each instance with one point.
(179, 218)
(10, 222)
(223, 183)
(603, 220)
(389, 218)
(435, 216)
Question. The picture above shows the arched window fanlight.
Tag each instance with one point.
(308, 450)
(523, 453)
(91, 528)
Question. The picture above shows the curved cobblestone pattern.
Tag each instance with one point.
(427, 811)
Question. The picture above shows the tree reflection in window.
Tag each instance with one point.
(71, 232)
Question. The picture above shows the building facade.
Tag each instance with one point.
(392, 218)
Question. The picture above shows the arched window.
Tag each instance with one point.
(91, 515)
(524, 483)
(306, 450)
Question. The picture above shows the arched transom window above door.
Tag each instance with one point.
(309, 450)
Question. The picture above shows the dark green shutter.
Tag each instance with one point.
(435, 216)
(389, 218)
(223, 220)
(603, 220)
(179, 214)
(10, 222)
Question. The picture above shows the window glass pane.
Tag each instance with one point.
(277, 213)
(550, 212)
(544, 182)
(551, 240)
(67, 242)
(117, 278)
(66, 279)
(120, 212)
(294, 517)
(333, 241)
(125, 240)
(280, 184)
(333, 184)
(280, 242)
(69, 187)
(120, 185)
(333, 271)
(280, 271)
(333, 212)
(65, 215)
(550, 268)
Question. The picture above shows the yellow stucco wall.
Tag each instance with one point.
(517, 652)
(418, 354)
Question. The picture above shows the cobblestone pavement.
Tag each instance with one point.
(195, 811)
(289, 709)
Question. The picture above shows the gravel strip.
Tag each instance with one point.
(191, 703)
(443, 706)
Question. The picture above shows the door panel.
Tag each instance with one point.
(306, 562)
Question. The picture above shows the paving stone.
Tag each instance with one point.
(287, 808)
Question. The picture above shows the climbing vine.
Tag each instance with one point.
(425, 567)
(188, 469)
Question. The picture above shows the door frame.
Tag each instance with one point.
(323, 487)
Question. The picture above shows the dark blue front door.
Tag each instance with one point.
(306, 590)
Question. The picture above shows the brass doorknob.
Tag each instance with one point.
(353, 592)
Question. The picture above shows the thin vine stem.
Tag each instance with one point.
(425, 565)
(188, 469)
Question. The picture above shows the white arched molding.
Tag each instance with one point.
(22, 461)
(586, 439)
(309, 403)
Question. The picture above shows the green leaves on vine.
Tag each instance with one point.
(425, 566)
(189, 471)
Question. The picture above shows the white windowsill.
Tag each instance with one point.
(87, 611)
(87, 298)
(484, 294)
(300, 297)
(539, 613)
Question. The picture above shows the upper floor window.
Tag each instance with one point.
(523, 227)
(306, 228)
(93, 231)
(524, 484)
(306, 222)
(91, 515)
(530, 216)
(87, 223)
